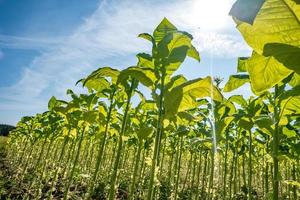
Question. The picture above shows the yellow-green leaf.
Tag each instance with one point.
(236, 81)
(265, 72)
(184, 96)
(278, 21)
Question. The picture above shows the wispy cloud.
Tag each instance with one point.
(108, 36)
(16, 42)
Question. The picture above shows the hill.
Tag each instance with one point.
(4, 129)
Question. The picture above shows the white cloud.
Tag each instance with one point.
(16, 42)
(109, 33)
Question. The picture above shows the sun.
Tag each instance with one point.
(210, 14)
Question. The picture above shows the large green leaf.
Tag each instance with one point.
(184, 96)
(98, 84)
(290, 102)
(165, 27)
(245, 10)
(265, 72)
(236, 81)
(173, 48)
(103, 72)
(144, 75)
(278, 21)
(285, 54)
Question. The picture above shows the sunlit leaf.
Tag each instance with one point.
(235, 81)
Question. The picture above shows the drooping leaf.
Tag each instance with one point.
(245, 10)
(265, 72)
(98, 84)
(184, 96)
(148, 37)
(193, 53)
(102, 73)
(144, 75)
(276, 22)
(290, 102)
(286, 54)
(236, 81)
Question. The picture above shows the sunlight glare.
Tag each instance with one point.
(210, 14)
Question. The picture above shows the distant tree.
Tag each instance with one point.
(5, 129)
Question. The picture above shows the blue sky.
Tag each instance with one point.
(46, 46)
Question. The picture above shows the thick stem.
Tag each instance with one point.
(275, 148)
(74, 165)
(135, 171)
(250, 167)
(157, 139)
(178, 168)
(102, 145)
(120, 146)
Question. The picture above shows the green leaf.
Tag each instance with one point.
(264, 122)
(278, 21)
(98, 84)
(103, 72)
(148, 37)
(52, 103)
(246, 123)
(286, 54)
(193, 53)
(222, 125)
(295, 81)
(290, 102)
(245, 10)
(292, 183)
(265, 72)
(242, 64)
(184, 96)
(144, 75)
(175, 81)
(288, 133)
(145, 132)
(238, 99)
(165, 27)
(236, 81)
(145, 60)
(173, 48)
